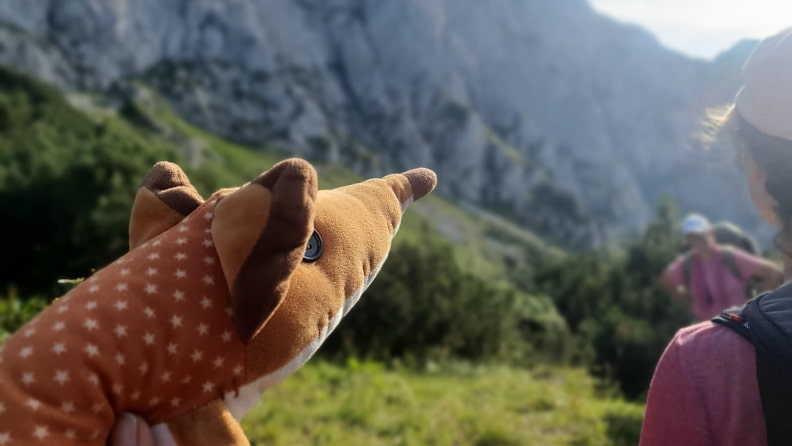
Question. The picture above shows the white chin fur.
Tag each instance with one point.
(406, 204)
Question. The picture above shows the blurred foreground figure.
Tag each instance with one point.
(728, 381)
(712, 277)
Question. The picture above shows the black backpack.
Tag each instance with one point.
(727, 233)
(766, 322)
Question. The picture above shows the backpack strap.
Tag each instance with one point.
(731, 263)
(766, 322)
(734, 319)
(776, 393)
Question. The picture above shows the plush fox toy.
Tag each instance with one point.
(216, 301)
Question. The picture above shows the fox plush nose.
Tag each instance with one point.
(412, 185)
(422, 181)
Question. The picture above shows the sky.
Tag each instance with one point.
(702, 28)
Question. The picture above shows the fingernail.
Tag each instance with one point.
(130, 423)
(129, 418)
(125, 430)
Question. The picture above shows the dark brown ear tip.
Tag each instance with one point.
(296, 164)
(165, 175)
(303, 169)
(171, 185)
(422, 180)
(293, 171)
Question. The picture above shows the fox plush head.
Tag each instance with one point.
(216, 301)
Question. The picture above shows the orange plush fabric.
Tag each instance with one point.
(213, 305)
(143, 334)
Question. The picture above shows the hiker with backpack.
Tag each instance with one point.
(713, 276)
(728, 381)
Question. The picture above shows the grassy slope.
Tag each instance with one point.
(364, 404)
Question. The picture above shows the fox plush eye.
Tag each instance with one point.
(314, 249)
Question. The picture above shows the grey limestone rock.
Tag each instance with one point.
(506, 99)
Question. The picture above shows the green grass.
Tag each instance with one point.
(458, 404)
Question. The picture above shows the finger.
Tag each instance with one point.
(131, 430)
(124, 432)
(144, 435)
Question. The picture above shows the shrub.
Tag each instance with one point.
(423, 306)
(66, 185)
(14, 312)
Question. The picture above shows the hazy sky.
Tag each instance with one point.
(702, 28)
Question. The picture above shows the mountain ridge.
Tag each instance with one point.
(560, 119)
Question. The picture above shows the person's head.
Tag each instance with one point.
(761, 124)
(698, 233)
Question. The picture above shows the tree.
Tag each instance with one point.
(613, 303)
(424, 306)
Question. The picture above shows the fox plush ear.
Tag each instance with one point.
(260, 232)
(164, 198)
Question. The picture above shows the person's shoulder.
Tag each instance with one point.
(736, 252)
(704, 332)
(719, 366)
(747, 262)
(711, 357)
(708, 339)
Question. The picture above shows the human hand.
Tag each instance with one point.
(131, 430)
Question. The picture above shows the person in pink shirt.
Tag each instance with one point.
(713, 277)
(705, 389)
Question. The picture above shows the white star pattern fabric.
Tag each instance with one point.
(151, 333)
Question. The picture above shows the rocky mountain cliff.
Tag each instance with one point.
(542, 111)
